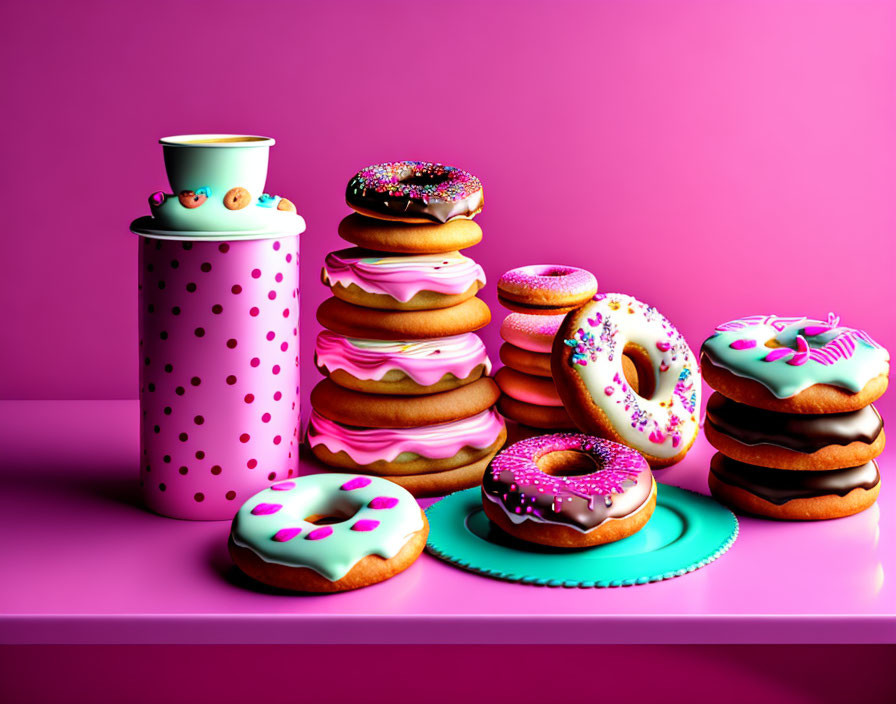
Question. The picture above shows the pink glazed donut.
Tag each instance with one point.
(534, 333)
(533, 492)
(546, 289)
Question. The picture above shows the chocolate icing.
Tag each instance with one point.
(621, 484)
(779, 486)
(417, 190)
(802, 432)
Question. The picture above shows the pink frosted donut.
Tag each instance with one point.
(531, 332)
(537, 390)
(530, 492)
(546, 289)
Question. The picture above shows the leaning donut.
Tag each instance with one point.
(660, 419)
(525, 491)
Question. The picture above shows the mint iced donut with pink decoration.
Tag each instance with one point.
(545, 289)
(328, 533)
(658, 417)
(795, 364)
(401, 368)
(540, 490)
(405, 282)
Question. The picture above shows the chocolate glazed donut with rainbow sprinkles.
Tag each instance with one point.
(414, 192)
(569, 490)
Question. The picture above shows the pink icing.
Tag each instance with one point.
(424, 361)
(284, 486)
(285, 534)
(383, 502)
(356, 483)
(778, 353)
(531, 332)
(365, 524)
(266, 509)
(618, 464)
(366, 445)
(528, 389)
(402, 277)
(549, 277)
(743, 344)
(319, 533)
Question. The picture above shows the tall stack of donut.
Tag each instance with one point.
(792, 416)
(407, 394)
(539, 297)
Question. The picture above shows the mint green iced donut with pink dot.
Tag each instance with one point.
(328, 533)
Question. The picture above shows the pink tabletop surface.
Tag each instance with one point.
(84, 563)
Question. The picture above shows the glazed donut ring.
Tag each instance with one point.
(403, 238)
(328, 533)
(545, 289)
(525, 491)
(534, 416)
(660, 419)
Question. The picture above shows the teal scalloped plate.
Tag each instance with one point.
(686, 532)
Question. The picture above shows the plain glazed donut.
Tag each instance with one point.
(660, 420)
(529, 492)
(545, 289)
(534, 333)
(328, 533)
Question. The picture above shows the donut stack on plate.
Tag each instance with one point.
(539, 297)
(792, 416)
(407, 394)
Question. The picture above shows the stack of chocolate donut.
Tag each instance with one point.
(407, 394)
(792, 416)
(539, 297)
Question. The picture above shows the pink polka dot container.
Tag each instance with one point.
(219, 369)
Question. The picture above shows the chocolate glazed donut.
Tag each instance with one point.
(414, 191)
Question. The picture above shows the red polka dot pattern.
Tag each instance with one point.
(215, 360)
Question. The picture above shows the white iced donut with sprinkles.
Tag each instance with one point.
(660, 420)
(328, 533)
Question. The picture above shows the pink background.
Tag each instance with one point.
(715, 159)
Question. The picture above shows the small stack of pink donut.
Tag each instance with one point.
(407, 394)
(540, 296)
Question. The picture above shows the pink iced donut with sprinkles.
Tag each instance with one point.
(328, 533)
(534, 333)
(546, 289)
(533, 492)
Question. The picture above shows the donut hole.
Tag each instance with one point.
(415, 179)
(329, 518)
(638, 370)
(567, 463)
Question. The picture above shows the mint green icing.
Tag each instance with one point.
(213, 216)
(320, 495)
(213, 164)
(784, 380)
